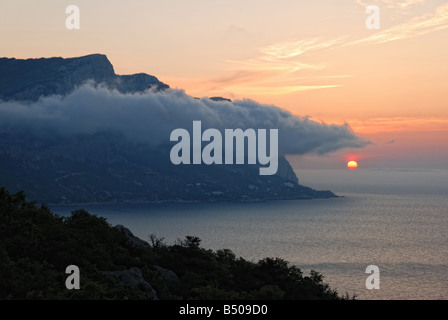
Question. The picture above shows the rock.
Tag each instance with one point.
(139, 82)
(167, 274)
(133, 240)
(29, 79)
(286, 171)
(220, 99)
(133, 277)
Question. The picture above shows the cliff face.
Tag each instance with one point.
(29, 79)
(106, 166)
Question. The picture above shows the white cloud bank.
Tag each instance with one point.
(150, 118)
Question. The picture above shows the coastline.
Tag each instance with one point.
(188, 201)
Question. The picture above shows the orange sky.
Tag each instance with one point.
(314, 58)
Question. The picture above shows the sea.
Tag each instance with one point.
(396, 220)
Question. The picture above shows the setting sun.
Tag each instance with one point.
(352, 165)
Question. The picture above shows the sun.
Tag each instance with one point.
(352, 164)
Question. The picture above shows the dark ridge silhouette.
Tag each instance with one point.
(32, 78)
(37, 246)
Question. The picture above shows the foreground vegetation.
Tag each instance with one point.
(37, 245)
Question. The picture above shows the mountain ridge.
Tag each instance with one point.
(22, 79)
(105, 166)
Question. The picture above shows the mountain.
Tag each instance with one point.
(106, 166)
(31, 78)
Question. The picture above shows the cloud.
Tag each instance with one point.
(416, 26)
(150, 117)
(278, 66)
(400, 124)
(269, 90)
(235, 29)
(276, 69)
(288, 50)
(401, 4)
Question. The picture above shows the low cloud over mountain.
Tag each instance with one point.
(149, 117)
(71, 130)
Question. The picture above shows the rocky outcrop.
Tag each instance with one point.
(167, 274)
(133, 277)
(285, 170)
(139, 82)
(32, 78)
(133, 240)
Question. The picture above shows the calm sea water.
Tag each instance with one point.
(403, 232)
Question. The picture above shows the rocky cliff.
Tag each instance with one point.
(32, 78)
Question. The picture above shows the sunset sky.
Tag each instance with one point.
(313, 58)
